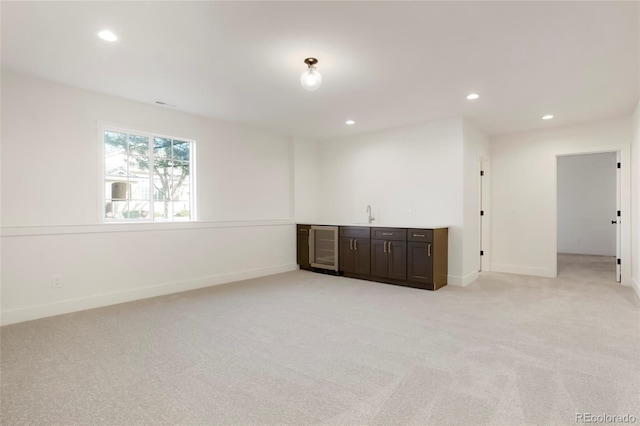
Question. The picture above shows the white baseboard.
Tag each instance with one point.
(636, 286)
(99, 300)
(462, 281)
(524, 270)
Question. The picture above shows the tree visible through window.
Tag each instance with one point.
(147, 177)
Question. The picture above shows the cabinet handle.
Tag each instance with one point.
(385, 246)
(387, 233)
(355, 244)
(419, 235)
(389, 246)
(351, 244)
(429, 250)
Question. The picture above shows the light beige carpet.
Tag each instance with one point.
(303, 348)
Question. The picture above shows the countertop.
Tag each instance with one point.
(375, 225)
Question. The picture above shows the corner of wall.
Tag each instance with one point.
(462, 281)
(636, 286)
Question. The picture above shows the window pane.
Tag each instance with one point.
(162, 184)
(114, 142)
(162, 150)
(140, 189)
(182, 191)
(138, 156)
(162, 173)
(181, 210)
(115, 209)
(163, 210)
(181, 150)
(158, 194)
(137, 210)
(180, 182)
(115, 158)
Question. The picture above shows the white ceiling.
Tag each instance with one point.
(384, 64)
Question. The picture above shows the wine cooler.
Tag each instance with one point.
(323, 247)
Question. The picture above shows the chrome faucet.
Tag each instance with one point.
(370, 213)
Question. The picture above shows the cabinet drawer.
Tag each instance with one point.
(391, 234)
(355, 232)
(420, 235)
(303, 229)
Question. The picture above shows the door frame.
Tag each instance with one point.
(484, 221)
(618, 218)
(623, 200)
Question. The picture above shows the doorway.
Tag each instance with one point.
(588, 206)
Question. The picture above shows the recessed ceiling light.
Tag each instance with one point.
(107, 35)
(350, 122)
(472, 96)
(547, 117)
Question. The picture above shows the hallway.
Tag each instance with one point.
(587, 268)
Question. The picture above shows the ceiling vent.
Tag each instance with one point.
(165, 104)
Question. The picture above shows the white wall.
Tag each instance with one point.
(635, 210)
(411, 176)
(51, 156)
(524, 220)
(51, 204)
(307, 178)
(587, 204)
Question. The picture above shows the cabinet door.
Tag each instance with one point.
(347, 255)
(302, 252)
(397, 254)
(379, 260)
(362, 256)
(420, 263)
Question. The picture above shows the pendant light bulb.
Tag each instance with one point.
(311, 78)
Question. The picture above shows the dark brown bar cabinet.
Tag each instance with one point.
(355, 250)
(412, 257)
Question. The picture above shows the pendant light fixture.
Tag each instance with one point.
(311, 78)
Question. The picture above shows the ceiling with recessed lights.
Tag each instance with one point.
(383, 64)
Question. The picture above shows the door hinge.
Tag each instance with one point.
(619, 262)
(618, 213)
(481, 212)
(481, 252)
(618, 165)
(481, 172)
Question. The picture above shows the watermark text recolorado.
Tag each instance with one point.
(605, 418)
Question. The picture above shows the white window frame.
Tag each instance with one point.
(102, 128)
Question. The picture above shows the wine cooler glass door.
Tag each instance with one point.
(323, 252)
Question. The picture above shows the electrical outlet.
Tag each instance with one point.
(57, 281)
